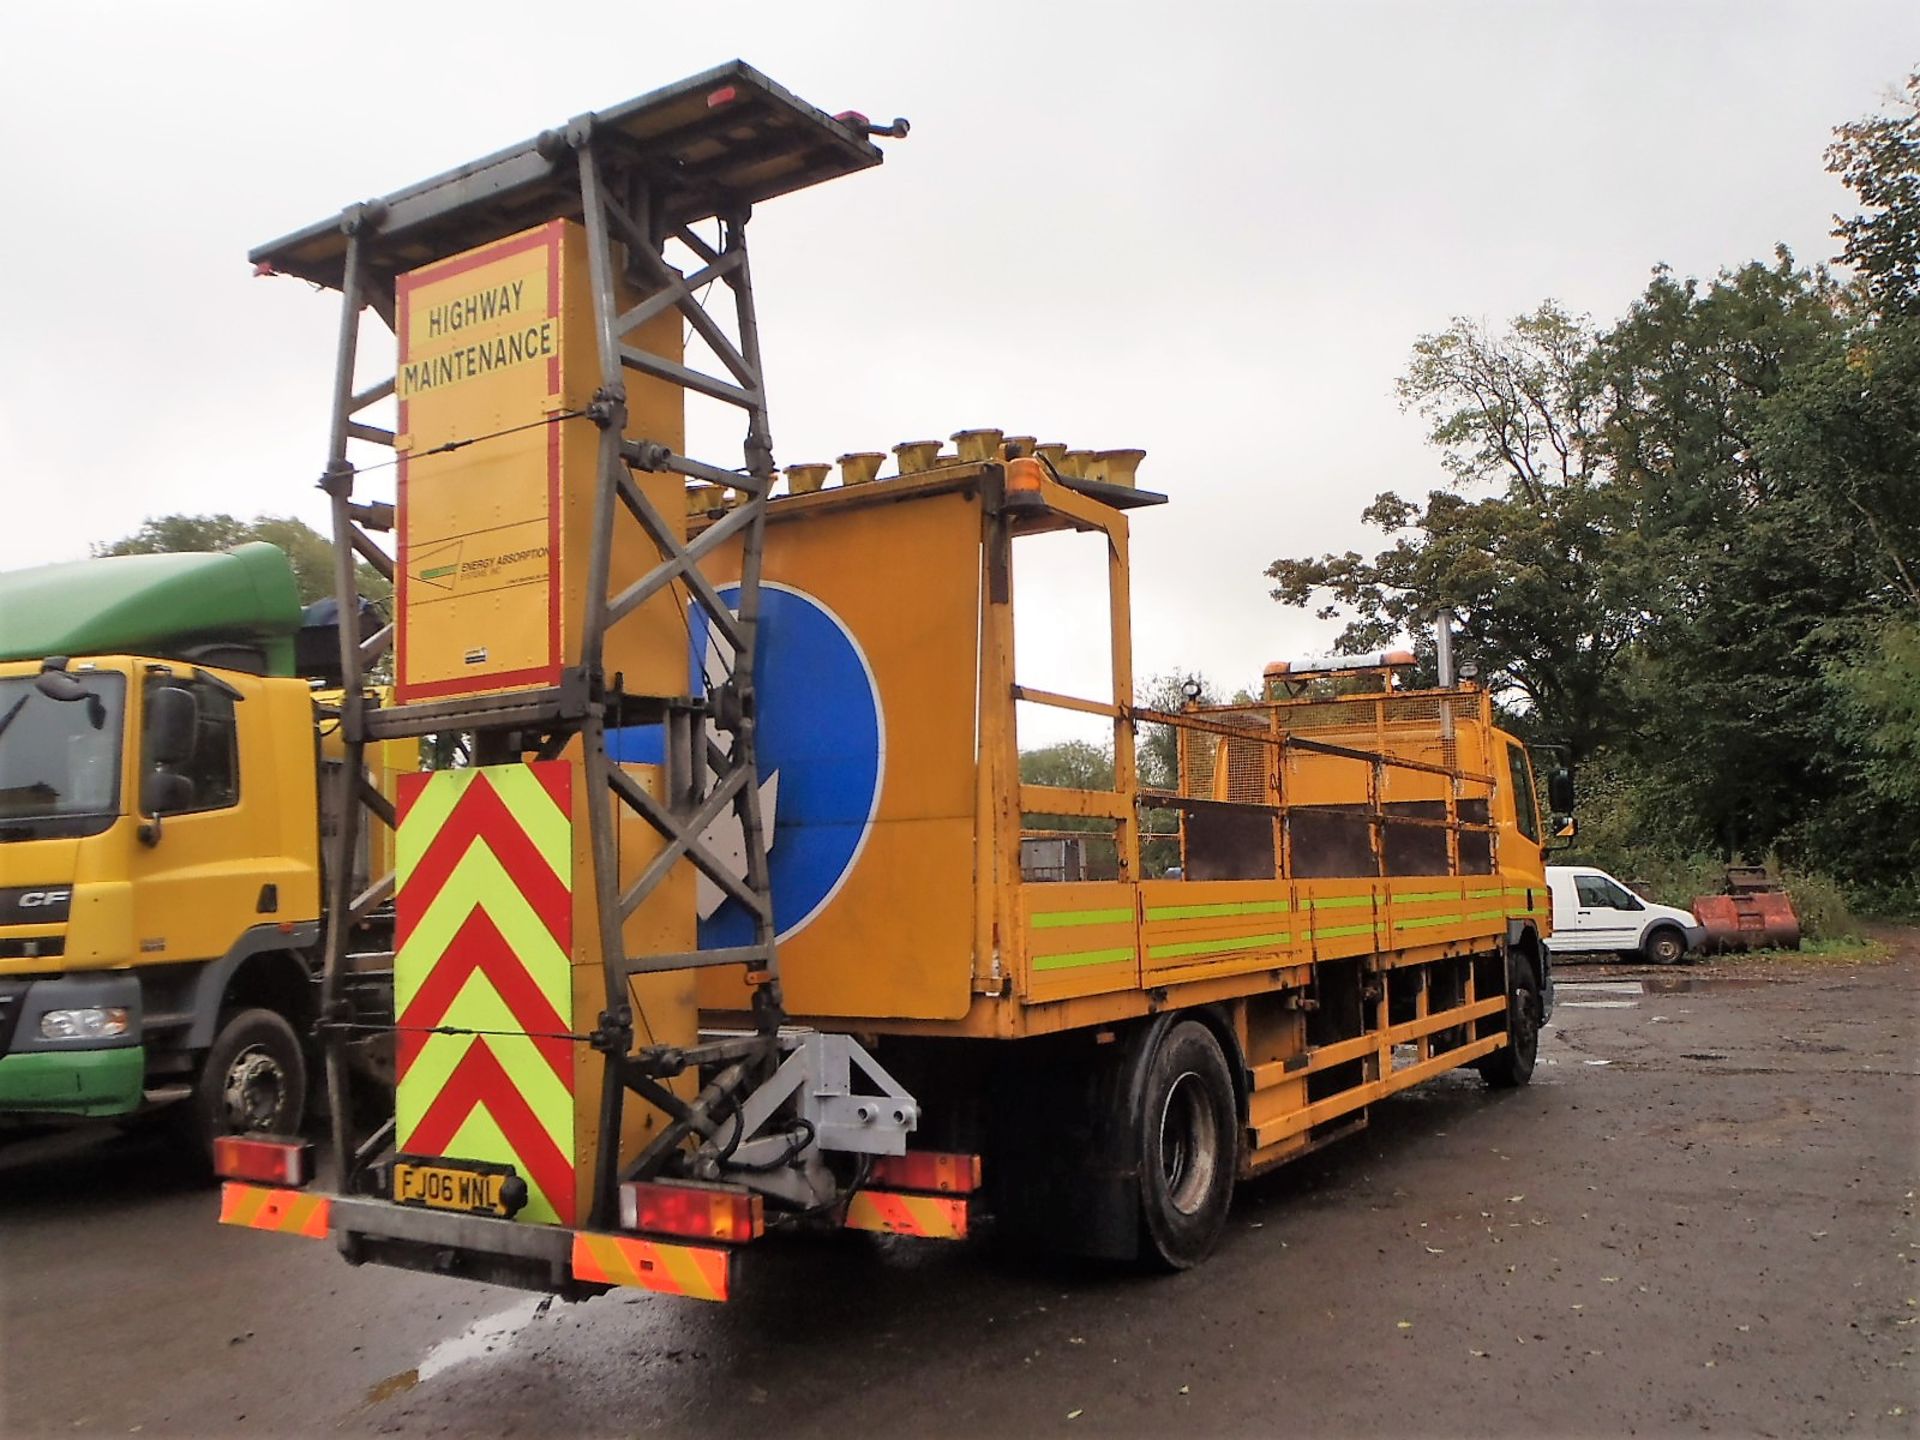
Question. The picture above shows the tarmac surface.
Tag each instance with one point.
(1699, 1218)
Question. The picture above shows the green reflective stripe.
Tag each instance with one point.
(1055, 919)
(1081, 957)
(1428, 920)
(1488, 915)
(1343, 930)
(1344, 902)
(1215, 947)
(1494, 894)
(1230, 907)
(1426, 896)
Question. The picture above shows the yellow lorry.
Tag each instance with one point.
(727, 929)
(160, 835)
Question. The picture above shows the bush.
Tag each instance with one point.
(1825, 910)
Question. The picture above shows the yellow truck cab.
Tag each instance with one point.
(160, 897)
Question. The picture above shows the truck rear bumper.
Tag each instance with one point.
(574, 1263)
(73, 1082)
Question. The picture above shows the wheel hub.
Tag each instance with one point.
(1189, 1143)
(255, 1089)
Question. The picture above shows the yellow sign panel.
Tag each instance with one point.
(499, 470)
(479, 383)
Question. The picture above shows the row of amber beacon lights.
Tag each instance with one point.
(917, 457)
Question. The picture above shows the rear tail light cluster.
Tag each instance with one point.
(697, 1212)
(936, 1170)
(264, 1158)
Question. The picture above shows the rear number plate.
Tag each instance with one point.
(470, 1189)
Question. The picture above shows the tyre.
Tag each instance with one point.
(254, 1079)
(1189, 1148)
(1512, 1064)
(1665, 946)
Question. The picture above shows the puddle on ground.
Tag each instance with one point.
(489, 1334)
(1596, 994)
(1701, 984)
(1625, 994)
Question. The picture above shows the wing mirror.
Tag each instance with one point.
(1560, 792)
(56, 684)
(163, 791)
(173, 720)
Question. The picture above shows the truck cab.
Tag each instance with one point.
(159, 841)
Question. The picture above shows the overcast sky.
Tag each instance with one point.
(1209, 230)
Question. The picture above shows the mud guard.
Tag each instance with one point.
(1063, 1170)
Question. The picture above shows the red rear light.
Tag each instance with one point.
(927, 1170)
(725, 95)
(253, 1157)
(699, 1212)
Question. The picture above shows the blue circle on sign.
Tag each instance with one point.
(822, 756)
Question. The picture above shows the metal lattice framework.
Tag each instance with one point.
(638, 178)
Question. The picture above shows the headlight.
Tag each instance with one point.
(100, 1022)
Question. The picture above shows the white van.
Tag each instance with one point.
(1594, 911)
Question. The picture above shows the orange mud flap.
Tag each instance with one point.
(932, 1217)
(699, 1272)
(268, 1207)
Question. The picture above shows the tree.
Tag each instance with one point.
(1544, 573)
(308, 551)
(1069, 765)
(1157, 747)
(1878, 158)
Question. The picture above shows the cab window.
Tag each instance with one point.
(213, 769)
(1593, 892)
(1598, 892)
(1526, 812)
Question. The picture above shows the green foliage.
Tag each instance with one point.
(1541, 572)
(1070, 765)
(1075, 765)
(1878, 158)
(1157, 747)
(310, 552)
(1823, 905)
(1878, 689)
(1157, 756)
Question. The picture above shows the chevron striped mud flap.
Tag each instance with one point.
(268, 1207)
(484, 864)
(932, 1217)
(699, 1272)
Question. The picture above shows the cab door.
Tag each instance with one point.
(1605, 913)
(198, 875)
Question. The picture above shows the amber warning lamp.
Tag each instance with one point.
(1025, 475)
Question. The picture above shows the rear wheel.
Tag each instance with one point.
(254, 1079)
(1665, 946)
(1512, 1064)
(1189, 1148)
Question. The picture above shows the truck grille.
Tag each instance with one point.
(13, 994)
(36, 947)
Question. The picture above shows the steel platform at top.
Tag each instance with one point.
(713, 144)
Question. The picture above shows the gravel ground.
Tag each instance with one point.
(1699, 1218)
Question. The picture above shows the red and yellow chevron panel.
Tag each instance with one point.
(933, 1217)
(698, 1272)
(483, 906)
(266, 1207)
